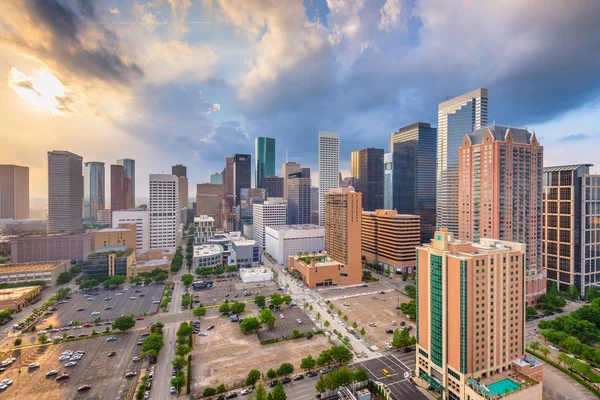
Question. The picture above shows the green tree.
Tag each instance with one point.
(163, 276)
(135, 280)
(178, 381)
(276, 300)
(354, 325)
(185, 330)
(238, 307)
(530, 312)
(360, 375)
(278, 392)
(115, 280)
(260, 301)
(535, 345)
(152, 344)
(221, 388)
(42, 338)
(296, 333)
(224, 308)
(287, 299)
(187, 279)
(339, 313)
(340, 354)
(572, 292)
(271, 374)
(64, 277)
(252, 378)
(124, 323)
(267, 318)
(209, 392)
(231, 268)
(362, 331)
(261, 393)
(331, 306)
(591, 293)
(179, 363)
(545, 351)
(251, 324)
(411, 291)
(326, 324)
(318, 315)
(409, 309)
(182, 350)
(157, 327)
(199, 311)
(308, 363)
(18, 341)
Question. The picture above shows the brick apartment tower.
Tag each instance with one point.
(343, 220)
(500, 193)
(470, 304)
(120, 189)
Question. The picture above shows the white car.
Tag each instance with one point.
(3, 386)
(299, 321)
(111, 339)
(71, 364)
(96, 313)
(118, 294)
(203, 334)
(156, 302)
(136, 359)
(281, 316)
(132, 298)
(75, 358)
(246, 391)
(6, 382)
(52, 373)
(64, 358)
(33, 365)
(173, 390)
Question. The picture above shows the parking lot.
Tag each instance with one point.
(370, 308)
(400, 366)
(105, 374)
(226, 355)
(232, 287)
(285, 326)
(361, 290)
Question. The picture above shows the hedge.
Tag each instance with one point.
(189, 373)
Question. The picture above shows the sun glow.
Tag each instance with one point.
(42, 90)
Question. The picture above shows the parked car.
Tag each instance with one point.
(299, 377)
(312, 374)
(111, 339)
(52, 373)
(130, 374)
(246, 391)
(389, 331)
(231, 395)
(63, 377)
(112, 354)
(210, 327)
(70, 364)
(286, 380)
(84, 388)
(33, 365)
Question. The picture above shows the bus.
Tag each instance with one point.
(200, 285)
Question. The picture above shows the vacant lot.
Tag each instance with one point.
(105, 374)
(366, 309)
(226, 355)
(285, 325)
(228, 289)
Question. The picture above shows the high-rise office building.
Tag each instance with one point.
(500, 194)
(14, 192)
(273, 185)
(299, 197)
(228, 180)
(456, 118)
(139, 218)
(272, 212)
(216, 178)
(329, 167)
(470, 321)
(93, 190)
(264, 160)
(388, 181)
(210, 199)
(343, 224)
(129, 166)
(314, 199)
(180, 171)
(65, 192)
(390, 238)
(367, 174)
(288, 167)
(414, 148)
(571, 226)
(242, 175)
(120, 189)
(164, 212)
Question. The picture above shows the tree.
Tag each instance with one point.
(124, 323)
(114, 280)
(354, 325)
(278, 392)
(409, 309)
(411, 291)
(135, 280)
(261, 393)
(182, 350)
(224, 308)
(18, 341)
(360, 375)
(231, 268)
(530, 312)
(199, 311)
(42, 338)
(187, 279)
(271, 374)
(308, 363)
(545, 351)
(251, 324)
(63, 278)
(318, 315)
(296, 333)
(362, 331)
(572, 292)
(185, 330)
(339, 313)
(267, 318)
(157, 327)
(221, 388)
(178, 381)
(238, 307)
(592, 293)
(535, 345)
(326, 324)
(153, 344)
(179, 363)
(260, 301)
(331, 306)
(253, 377)
(276, 300)
(163, 276)
(287, 299)
(209, 392)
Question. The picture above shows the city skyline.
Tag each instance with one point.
(134, 101)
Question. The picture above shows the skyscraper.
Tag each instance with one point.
(329, 167)
(93, 190)
(367, 174)
(228, 181)
(180, 171)
(65, 192)
(267, 213)
(216, 178)
(288, 167)
(571, 227)
(14, 192)
(164, 212)
(273, 185)
(414, 148)
(388, 181)
(209, 201)
(500, 193)
(120, 189)
(264, 159)
(343, 223)
(242, 174)
(456, 118)
(470, 322)
(299, 197)
(129, 166)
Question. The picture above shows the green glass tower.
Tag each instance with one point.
(264, 159)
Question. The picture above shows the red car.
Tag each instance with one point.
(409, 327)
(139, 319)
(88, 325)
(63, 377)
(83, 335)
(84, 388)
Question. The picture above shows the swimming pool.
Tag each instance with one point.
(501, 386)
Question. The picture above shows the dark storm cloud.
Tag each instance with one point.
(66, 27)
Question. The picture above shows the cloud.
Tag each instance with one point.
(575, 137)
(389, 15)
(114, 10)
(179, 12)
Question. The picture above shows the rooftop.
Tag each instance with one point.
(111, 248)
(10, 268)
(207, 250)
(255, 271)
(500, 133)
(114, 230)
(16, 293)
(152, 263)
(303, 227)
(204, 218)
(560, 168)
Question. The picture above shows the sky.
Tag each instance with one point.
(193, 81)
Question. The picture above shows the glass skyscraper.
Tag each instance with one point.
(388, 181)
(129, 166)
(367, 173)
(93, 190)
(456, 118)
(414, 149)
(264, 159)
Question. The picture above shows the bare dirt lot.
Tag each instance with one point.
(366, 309)
(233, 287)
(226, 355)
(289, 322)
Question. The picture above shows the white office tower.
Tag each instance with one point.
(456, 118)
(141, 220)
(165, 231)
(65, 192)
(269, 213)
(329, 167)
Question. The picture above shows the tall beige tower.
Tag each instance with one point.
(14, 192)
